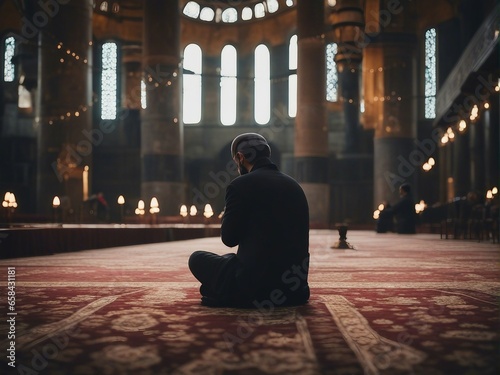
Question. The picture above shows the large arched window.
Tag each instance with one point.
(332, 79)
(109, 81)
(8, 66)
(262, 110)
(228, 85)
(292, 77)
(191, 92)
(430, 74)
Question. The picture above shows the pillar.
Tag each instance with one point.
(131, 94)
(63, 116)
(311, 131)
(461, 158)
(396, 159)
(161, 128)
(211, 90)
(347, 22)
(477, 157)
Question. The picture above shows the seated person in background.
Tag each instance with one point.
(385, 221)
(266, 215)
(404, 211)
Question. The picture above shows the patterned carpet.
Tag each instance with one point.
(394, 305)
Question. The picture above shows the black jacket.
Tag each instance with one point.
(404, 212)
(267, 216)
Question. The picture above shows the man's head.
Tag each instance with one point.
(404, 189)
(246, 148)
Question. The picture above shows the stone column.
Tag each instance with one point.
(477, 157)
(389, 103)
(211, 90)
(63, 115)
(162, 131)
(461, 158)
(311, 131)
(131, 94)
(347, 22)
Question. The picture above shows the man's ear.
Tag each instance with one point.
(240, 157)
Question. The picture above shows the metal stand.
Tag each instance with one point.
(342, 242)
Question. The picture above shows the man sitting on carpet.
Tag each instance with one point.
(266, 214)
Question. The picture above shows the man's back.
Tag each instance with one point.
(267, 216)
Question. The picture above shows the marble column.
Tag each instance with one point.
(311, 130)
(162, 130)
(64, 97)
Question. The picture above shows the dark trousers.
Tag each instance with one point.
(216, 273)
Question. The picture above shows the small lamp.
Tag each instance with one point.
(208, 212)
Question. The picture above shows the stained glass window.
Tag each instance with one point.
(228, 85)
(430, 74)
(292, 78)
(332, 79)
(109, 81)
(8, 68)
(191, 80)
(262, 100)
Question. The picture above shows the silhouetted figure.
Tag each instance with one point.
(404, 211)
(385, 222)
(266, 215)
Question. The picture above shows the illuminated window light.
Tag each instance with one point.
(9, 68)
(192, 9)
(207, 14)
(246, 14)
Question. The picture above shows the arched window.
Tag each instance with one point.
(230, 15)
(262, 111)
(292, 77)
(109, 82)
(8, 66)
(207, 14)
(259, 10)
(144, 103)
(192, 9)
(228, 85)
(332, 78)
(272, 6)
(191, 91)
(246, 14)
(430, 74)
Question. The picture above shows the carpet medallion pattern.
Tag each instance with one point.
(395, 305)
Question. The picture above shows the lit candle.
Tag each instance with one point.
(85, 179)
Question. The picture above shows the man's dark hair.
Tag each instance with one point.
(252, 145)
(406, 188)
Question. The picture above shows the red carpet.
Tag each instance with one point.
(395, 305)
